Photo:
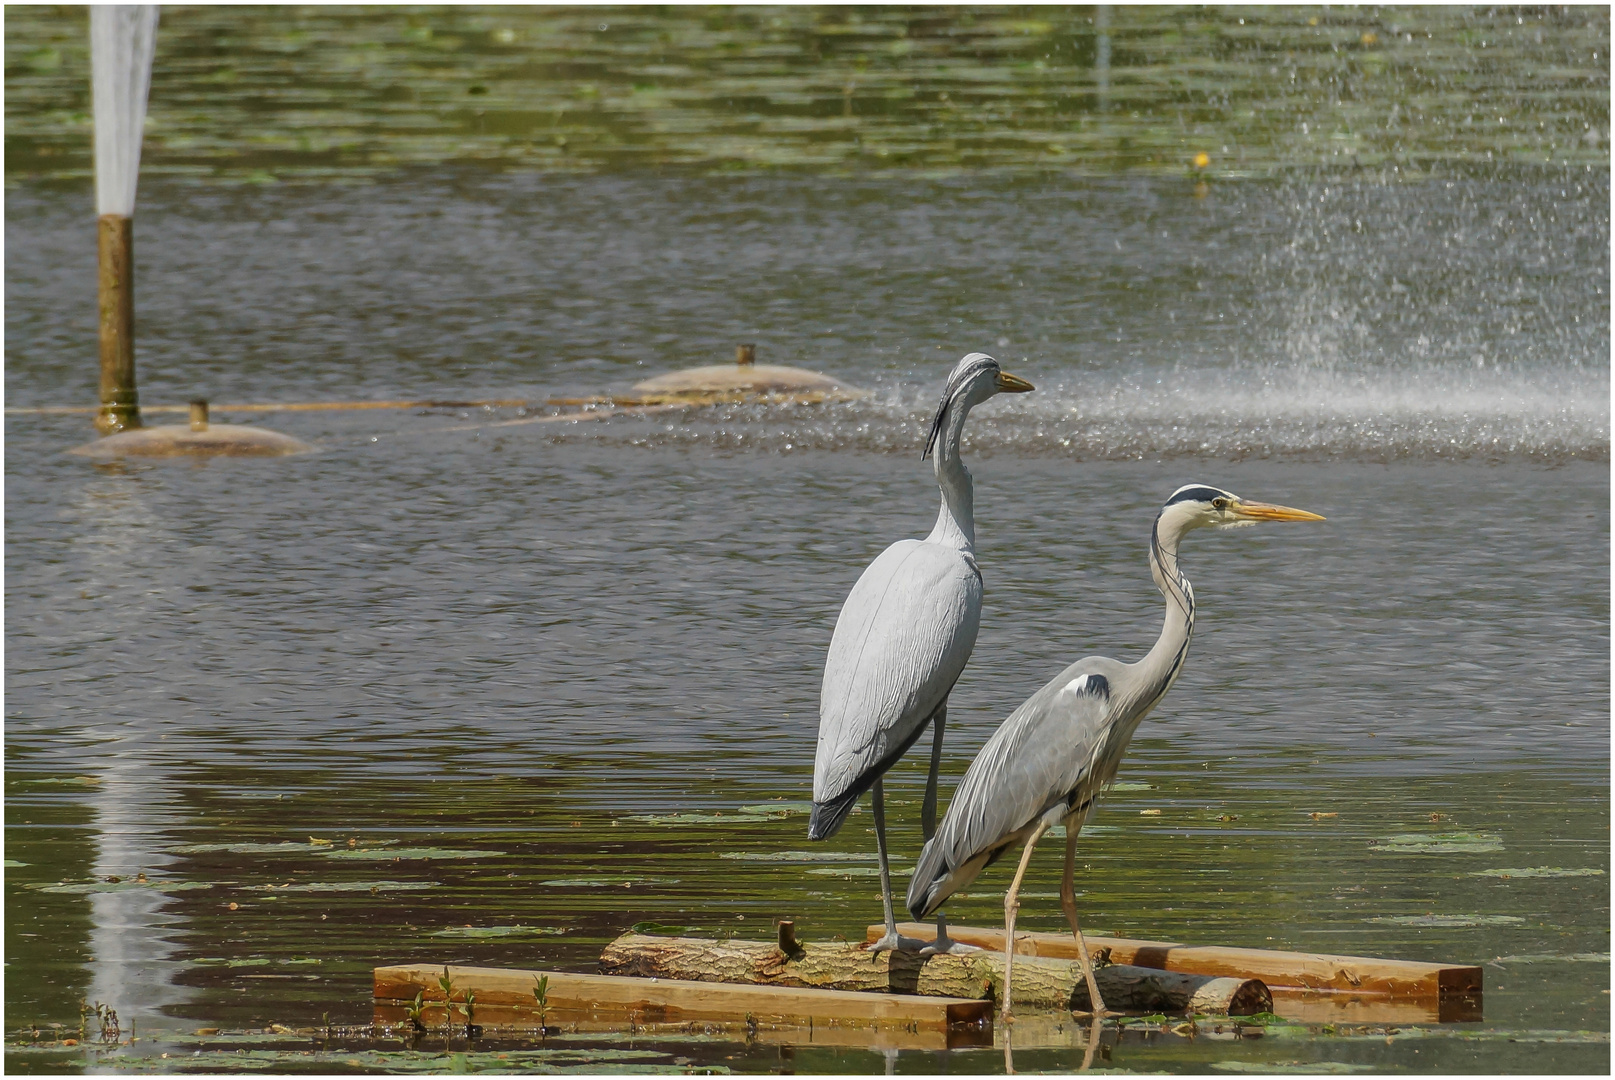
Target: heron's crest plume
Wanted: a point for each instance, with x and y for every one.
(964, 373)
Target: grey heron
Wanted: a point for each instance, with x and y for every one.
(903, 636)
(1060, 749)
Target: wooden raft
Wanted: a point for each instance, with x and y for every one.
(1305, 986)
(582, 1002)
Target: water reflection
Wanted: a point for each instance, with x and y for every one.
(135, 798)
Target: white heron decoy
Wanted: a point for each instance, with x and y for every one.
(1055, 755)
(901, 641)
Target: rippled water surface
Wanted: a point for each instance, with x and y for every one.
(500, 653)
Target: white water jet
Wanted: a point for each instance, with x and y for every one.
(123, 39)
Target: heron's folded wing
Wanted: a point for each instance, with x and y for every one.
(1036, 759)
(900, 643)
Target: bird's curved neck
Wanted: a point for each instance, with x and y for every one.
(1163, 662)
(956, 522)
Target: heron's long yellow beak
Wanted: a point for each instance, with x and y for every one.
(1259, 511)
(1013, 384)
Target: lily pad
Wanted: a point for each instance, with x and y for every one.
(13, 863)
(1131, 785)
(1058, 831)
(348, 886)
(1304, 1067)
(1448, 920)
(607, 881)
(695, 819)
(480, 932)
(1450, 843)
(800, 856)
(286, 847)
(1539, 871)
(858, 871)
(414, 853)
(780, 808)
(657, 928)
(85, 887)
(1556, 958)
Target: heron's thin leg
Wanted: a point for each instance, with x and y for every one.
(1094, 1031)
(928, 808)
(890, 941)
(1068, 902)
(1012, 904)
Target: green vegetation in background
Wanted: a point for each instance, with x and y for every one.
(261, 94)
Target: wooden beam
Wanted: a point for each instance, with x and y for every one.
(1040, 982)
(596, 1002)
(1450, 991)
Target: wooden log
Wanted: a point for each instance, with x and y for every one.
(596, 1002)
(1449, 992)
(1039, 982)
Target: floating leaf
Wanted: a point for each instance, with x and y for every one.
(1556, 958)
(857, 871)
(414, 853)
(287, 847)
(618, 880)
(1449, 920)
(799, 856)
(1451, 843)
(348, 886)
(1058, 831)
(657, 928)
(495, 931)
(82, 888)
(13, 863)
(1131, 785)
(695, 819)
(1304, 1067)
(780, 808)
(1539, 871)
(76, 781)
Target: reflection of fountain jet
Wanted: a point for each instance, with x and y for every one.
(131, 957)
(131, 966)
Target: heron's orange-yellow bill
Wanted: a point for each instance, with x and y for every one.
(1013, 384)
(1260, 511)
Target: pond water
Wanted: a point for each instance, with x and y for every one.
(526, 678)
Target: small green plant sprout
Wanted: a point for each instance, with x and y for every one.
(541, 998)
(470, 1007)
(447, 984)
(413, 1010)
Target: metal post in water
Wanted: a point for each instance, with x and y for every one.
(745, 355)
(120, 403)
(123, 39)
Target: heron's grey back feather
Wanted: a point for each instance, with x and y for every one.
(901, 641)
(1053, 755)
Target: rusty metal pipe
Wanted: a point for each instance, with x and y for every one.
(120, 404)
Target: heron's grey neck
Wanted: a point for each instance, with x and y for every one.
(1161, 665)
(956, 522)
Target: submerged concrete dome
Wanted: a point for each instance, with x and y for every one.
(196, 439)
(743, 380)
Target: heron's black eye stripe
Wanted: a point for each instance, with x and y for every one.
(1195, 494)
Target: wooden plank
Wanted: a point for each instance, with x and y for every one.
(1286, 974)
(626, 1003)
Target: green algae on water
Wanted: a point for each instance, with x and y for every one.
(1447, 843)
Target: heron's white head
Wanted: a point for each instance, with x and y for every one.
(1197, 506)
(974, 379)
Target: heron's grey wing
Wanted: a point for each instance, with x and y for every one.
(1041, 758)
(902, 639)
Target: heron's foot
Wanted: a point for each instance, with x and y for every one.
(946, 946)
(893, 941)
